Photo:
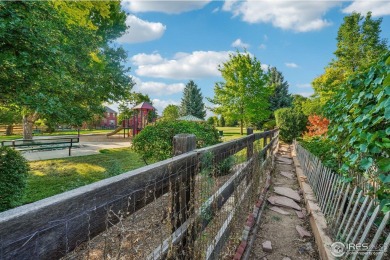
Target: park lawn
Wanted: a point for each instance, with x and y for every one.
(50, 177)
(58, 133)
(231, 133)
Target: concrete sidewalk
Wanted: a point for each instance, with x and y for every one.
(81, 149)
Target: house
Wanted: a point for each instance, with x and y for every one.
(110, 119)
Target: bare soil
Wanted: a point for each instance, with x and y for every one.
(280, 229)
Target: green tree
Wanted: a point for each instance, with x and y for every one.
(57, 56)
(358, 47)
(243, 96)
(280, 97)
(222, 121)
(170, 113)
(211, 120)
(9, 116)
(192, 101)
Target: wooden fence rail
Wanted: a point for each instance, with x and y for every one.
(53, 227)
(354, 218)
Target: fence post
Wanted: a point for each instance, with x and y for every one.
(183, 194)
(249, 149)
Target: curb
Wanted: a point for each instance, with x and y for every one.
(316, 217)
(252, 222)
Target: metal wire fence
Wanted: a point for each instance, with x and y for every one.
(353, 217)
(192, 206)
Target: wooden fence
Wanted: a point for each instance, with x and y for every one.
(354, 218)
(203, 208)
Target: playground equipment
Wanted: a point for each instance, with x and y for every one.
(137, 122)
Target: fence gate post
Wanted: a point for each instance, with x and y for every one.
(183, 194)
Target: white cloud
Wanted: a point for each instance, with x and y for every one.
(198, 64)
(299, 16)
(378, 7)
(262, 46)
(141, 31)
(143, 58)
(157, 88)
(265, 37)
(240, 44)
(305, 85)
(161, 104)
(291, 65)
(169, 7)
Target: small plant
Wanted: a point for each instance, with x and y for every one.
(224, 167)
(13, 174)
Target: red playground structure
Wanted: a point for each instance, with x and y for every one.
(139, 119)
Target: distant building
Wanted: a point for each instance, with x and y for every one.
(110, 119)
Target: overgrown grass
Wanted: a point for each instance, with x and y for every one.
(231, 133)
(51, 177)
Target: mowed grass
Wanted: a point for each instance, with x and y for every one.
(51, 177)
(231, 133)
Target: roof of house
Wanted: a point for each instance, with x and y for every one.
(190, 118)
(144, 105)
(109, 110)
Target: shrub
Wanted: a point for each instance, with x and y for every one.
(13, 174)
(155, 142)
(318, 126)
(269, 125)
(291, 123)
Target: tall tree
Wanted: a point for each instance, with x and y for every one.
(170, 113)
(192, 101)
(56, 56)
(358, 47)
(243, 95)
(280, 97)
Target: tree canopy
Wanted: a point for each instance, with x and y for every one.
(358, 46)
(171, 112)
(243, 95)
(192, 101)
(57, 57)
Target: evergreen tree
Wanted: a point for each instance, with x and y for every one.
(280, 97)
(192, 101)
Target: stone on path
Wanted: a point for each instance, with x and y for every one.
(279, 210)
(283, 201)
(300, 214)
(286, 258)
(267, 247)
(283, 160)
(302, 232)
(288, 192)
(287, 175)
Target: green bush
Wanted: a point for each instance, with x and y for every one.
(13, 174)
(155, 142)
(269, 125)
(322, 148)
(291, 123)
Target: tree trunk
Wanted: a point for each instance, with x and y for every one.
(10, 130)
(28, 122)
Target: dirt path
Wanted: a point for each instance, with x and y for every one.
(280, 229)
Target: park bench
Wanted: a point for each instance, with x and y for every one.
(42, 144)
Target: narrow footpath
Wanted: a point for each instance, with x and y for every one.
(284, 232)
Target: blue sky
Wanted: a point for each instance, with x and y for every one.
(172, 42)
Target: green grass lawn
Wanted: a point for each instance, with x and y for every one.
(51, 177)
(230, 133)
(70, 132)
